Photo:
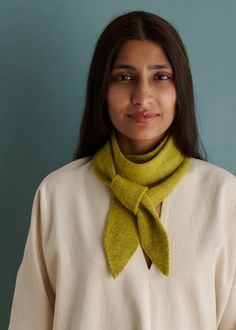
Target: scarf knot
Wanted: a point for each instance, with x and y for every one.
(123, 189)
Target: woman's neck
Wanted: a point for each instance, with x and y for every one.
(137, 147)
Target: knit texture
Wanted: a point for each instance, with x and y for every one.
(139, 184)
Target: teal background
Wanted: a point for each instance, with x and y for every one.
(45, 51)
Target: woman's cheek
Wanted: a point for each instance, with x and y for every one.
(168, 97)
(117, 98)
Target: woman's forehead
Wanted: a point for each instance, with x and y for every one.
(141, 52)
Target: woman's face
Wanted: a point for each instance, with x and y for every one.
(142, 96)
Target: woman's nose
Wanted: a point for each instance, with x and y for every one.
(142, 94)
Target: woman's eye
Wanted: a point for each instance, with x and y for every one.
(124, 77)
(161, 77)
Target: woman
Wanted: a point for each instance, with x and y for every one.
(137, 232)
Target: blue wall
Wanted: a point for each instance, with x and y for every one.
(45, 50)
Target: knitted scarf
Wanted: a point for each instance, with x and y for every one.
(139, 184)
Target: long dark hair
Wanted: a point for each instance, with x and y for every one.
(96, 126)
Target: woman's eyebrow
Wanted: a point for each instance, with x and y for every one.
(150, 67)
(159, 66)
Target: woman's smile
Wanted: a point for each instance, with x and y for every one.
(143, 116)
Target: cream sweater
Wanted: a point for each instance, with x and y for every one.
(63, 282)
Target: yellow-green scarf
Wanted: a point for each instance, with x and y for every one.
(139, 184)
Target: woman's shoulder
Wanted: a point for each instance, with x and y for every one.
(67, 175)
(205, 167)
(211, 175)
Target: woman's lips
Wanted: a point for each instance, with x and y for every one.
(143, 117)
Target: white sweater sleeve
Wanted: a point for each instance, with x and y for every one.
(228, 321)
(228, 267)
(33, 301)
